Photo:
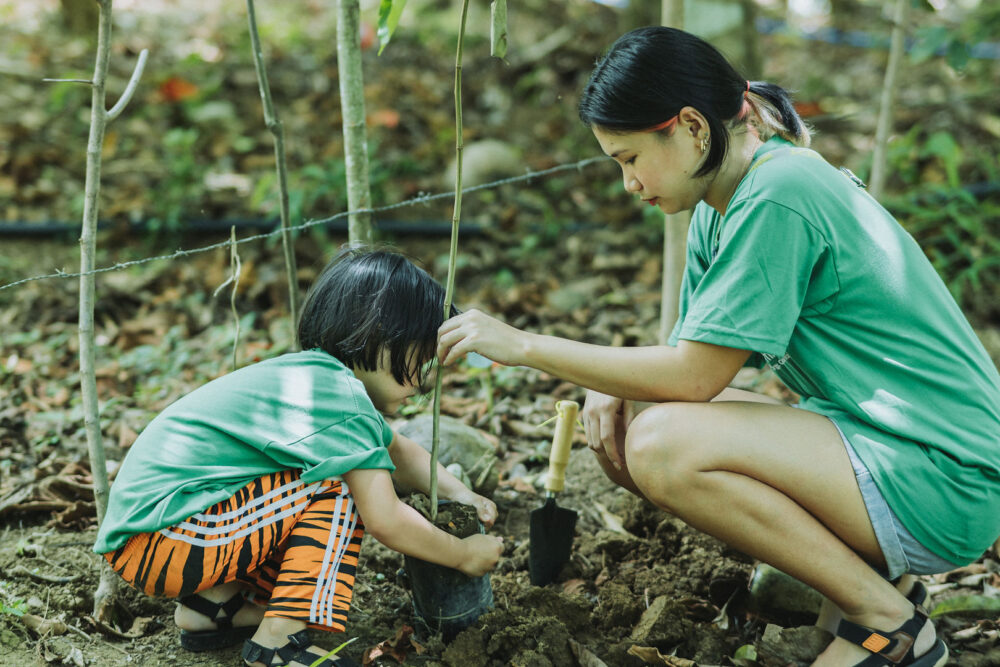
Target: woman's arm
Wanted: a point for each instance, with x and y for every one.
(691, 371)
(413, 470)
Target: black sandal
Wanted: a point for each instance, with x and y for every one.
(225, 634)
(896, 647)
(295, 649)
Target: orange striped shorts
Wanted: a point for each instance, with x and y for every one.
(294, 545)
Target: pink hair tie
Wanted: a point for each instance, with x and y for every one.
(662, 126)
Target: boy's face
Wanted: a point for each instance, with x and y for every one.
(386, 393)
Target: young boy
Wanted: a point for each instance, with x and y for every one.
(254, 486)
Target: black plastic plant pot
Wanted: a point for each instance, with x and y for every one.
(445, 600)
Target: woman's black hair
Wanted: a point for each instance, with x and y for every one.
(369, 300)
(649, 74)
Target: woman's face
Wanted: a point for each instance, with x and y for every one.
(656, 168)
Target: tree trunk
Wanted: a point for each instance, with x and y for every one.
(352, 105)
(753, 62)
(885, 113)
(675, 227)
(278, 132)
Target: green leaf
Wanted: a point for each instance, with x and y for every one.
(969, 606)
(389, 12)
(498, 28)
(928, 41)
(958, 54)
(321, 659)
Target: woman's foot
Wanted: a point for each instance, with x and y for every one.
(888, 620)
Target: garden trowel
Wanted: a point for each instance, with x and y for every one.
(551, 527)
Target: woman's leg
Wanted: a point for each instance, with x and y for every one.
(775, 482)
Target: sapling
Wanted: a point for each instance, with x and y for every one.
(99, 119)
(278, 132)
(452, 253)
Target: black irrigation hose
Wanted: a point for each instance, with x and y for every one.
(864, 40)
(426, 228)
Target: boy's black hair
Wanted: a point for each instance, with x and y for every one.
(649, 74)
(368, 300)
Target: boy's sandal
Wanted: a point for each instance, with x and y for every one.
(295, 650)
(225, 633)
(895, 647)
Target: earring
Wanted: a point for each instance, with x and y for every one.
(704, 143)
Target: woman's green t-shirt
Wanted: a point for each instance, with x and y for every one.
(301, 411)
(808, 270)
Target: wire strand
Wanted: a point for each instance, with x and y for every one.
(423, 199)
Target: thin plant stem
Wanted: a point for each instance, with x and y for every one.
(278, 132)
(452, 254)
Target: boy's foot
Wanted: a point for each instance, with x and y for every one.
(216, 617)
(297, 652)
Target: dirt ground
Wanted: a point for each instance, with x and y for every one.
(639, 582)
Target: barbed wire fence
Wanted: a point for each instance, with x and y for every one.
(415, 201)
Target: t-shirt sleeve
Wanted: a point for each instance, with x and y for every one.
(770, 265)
(696, 261)
(357, 442)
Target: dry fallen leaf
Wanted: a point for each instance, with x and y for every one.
(395, 648)
(650, 655)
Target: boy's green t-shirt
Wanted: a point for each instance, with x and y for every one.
(303, 410)
(810, 271)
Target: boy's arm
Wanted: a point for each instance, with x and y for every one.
(403, 529)
(413, 470)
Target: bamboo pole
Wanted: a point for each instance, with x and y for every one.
(452, 253)
(278, 132)
(99, 119)
(352, 106)
(675, 227)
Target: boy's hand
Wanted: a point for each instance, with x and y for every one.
(482, 554)
(486, 509)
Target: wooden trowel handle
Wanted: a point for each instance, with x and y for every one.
(561, 444)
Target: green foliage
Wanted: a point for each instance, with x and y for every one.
(956, 42)
(961, 237)
(184, 174)
(389, 12)
(14, 607)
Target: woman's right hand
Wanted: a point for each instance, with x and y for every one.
(475, 331)
(605, 420)
(482, 554)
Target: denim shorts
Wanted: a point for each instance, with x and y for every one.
(903, 554)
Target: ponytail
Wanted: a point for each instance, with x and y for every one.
(775, 114)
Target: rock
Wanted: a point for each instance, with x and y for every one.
(577, 294)
(459, 444)
(664, 624)
(485, 161)
(798, 647)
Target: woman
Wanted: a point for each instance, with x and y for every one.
(890, 464)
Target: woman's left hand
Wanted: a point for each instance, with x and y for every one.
(475, 331)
